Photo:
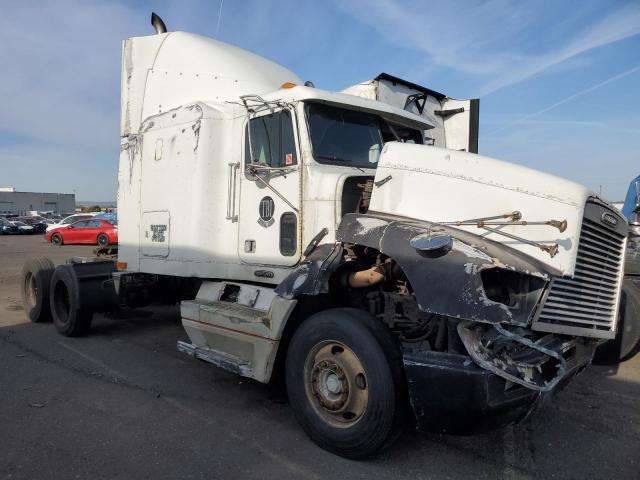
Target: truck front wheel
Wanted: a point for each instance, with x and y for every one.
(70, 320)
(345, 382)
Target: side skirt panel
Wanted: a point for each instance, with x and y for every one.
(236, 327)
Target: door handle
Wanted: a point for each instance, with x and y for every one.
(231, 191)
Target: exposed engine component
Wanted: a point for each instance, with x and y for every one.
(365, 198)
(384, 291)
(413, 327)
(356, 194)
(366, 278)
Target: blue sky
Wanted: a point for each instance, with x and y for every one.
(558, 80)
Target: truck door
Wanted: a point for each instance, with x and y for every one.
(460, 122)
(269, 210)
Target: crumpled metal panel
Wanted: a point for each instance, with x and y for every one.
(311, 277)
(448, 283)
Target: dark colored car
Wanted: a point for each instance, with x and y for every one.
(39, 226)
(92, 231)
(7, 228)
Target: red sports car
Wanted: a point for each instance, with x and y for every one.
(85, 231)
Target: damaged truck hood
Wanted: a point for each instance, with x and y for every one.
(439, 185)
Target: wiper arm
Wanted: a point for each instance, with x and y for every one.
(333, 159)
(339, 160)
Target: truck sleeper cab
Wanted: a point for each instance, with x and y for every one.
(360, 249)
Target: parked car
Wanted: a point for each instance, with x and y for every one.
(92, 231)
(7, 228)
(70, 219)
(23, 228)
(109, 217)
(38, 223)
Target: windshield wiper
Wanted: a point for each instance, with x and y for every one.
(333, 159)
(339, 160)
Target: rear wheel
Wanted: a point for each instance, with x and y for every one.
(56, 239)
(36, 277)
(103, 240)
(70, 320)
(345, 382)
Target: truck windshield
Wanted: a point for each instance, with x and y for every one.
(341, 136)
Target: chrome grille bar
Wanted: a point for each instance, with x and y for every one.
(587, 304)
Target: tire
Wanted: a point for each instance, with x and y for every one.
(345, 382)
(35, 281)
(70, 320)
(627, 341)
(56, 239)
(103, 240)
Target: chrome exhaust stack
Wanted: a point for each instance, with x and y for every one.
(158, 24)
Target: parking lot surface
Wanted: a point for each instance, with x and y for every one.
(122, 402)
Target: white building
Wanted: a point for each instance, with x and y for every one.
(12, 201)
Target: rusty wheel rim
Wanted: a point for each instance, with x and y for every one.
(336, 383)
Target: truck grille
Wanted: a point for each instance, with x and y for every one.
(587, 304)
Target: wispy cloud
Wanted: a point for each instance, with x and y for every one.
(490, 40)
(61, 68)
(566, 99)
(60, 90)
(60, 61)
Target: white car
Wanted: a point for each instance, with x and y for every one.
(70, 219)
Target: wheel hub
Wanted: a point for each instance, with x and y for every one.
(336, 383)
(329, 384)
(333, 383)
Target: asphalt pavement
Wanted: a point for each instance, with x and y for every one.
(122, 402)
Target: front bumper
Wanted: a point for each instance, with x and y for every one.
(449, 393)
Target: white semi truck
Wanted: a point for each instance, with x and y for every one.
(353, 243)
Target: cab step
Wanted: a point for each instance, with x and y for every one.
(223, 360)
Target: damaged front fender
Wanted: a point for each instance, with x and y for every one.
(475, 279)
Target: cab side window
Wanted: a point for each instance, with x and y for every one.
(272, 140)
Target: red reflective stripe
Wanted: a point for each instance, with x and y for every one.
(229, 329)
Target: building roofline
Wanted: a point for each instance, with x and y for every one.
(36, 193)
